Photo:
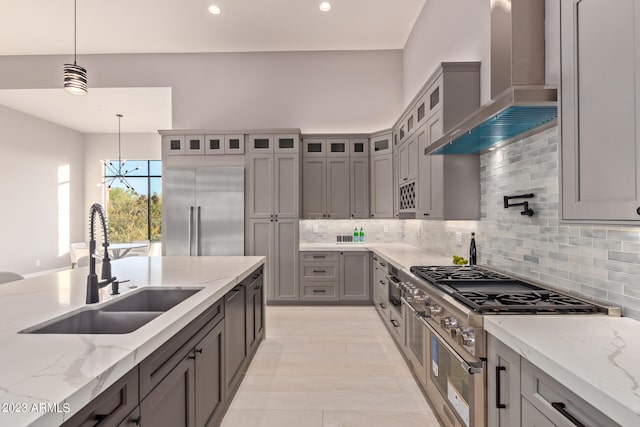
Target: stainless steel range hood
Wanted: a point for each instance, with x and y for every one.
(520, 102)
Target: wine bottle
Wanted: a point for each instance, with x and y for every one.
(473, 255)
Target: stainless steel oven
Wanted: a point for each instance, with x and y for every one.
(454, 384)
(395, 294)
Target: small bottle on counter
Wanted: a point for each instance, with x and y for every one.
(361, 235)
(473, 254)
(356, 235)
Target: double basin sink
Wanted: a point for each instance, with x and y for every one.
(122, 316)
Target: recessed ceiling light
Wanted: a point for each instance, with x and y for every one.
(325, 6)
(214, 9)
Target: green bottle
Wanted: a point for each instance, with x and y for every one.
(356, 236)
(361, 235)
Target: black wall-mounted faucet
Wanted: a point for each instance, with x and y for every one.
(526, 210)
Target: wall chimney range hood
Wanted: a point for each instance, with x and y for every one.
(521, 104)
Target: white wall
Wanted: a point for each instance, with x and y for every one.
(40, 204)
(104, 146)
(461, 31)
(315, 91)
(447, 31)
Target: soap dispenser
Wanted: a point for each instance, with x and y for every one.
(356, 235)
(361, 235)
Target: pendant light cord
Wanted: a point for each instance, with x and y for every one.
(75, 29)
(119, 156)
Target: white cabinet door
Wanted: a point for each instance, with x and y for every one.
(600, 92)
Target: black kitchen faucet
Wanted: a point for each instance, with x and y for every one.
(93, 285)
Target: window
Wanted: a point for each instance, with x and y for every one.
(134, 204)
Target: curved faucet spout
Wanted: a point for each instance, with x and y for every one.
(92, 280)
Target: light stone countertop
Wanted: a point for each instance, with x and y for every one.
(597, 357)
(73, 369)
(400, 255)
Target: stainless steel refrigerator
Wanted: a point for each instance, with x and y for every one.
(203, 211)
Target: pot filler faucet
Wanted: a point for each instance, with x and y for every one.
(92, 280)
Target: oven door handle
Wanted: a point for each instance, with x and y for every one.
(471, 368)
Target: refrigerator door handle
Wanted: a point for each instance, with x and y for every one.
(198, 231)
(190, 229)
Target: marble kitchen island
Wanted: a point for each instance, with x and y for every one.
(45, 379)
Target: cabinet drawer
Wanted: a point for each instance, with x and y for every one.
(319, 271)
(111, 406)
(158, 365)
(319, 292)
(555, 401)
(320, 256)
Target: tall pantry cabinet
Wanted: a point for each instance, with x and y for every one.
(273, 209)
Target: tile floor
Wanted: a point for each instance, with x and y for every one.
(328, 367)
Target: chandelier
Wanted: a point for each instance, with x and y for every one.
(117, 173)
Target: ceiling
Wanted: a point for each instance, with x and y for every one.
(33, 27)
(45, 27)
(143, 109)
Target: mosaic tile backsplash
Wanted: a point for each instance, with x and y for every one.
(594, 261)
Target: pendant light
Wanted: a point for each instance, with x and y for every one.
(75, 76)
(117, 174)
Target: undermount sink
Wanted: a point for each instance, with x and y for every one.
(151, 299)
(98, 322)
(125, 315)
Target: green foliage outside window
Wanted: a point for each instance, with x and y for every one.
(128, 215)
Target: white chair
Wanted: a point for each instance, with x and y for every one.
(155, 249)
(83, 261)
(77, 250)
(9, 276)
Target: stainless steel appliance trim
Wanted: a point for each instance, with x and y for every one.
(198, 224)
(190, 230)
(472, 368)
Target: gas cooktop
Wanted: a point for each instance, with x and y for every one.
(485, 291)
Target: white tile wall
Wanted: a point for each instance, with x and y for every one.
(594, 261)
(373, 229)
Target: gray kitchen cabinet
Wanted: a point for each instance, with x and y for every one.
(285, 271)
(260, 144)
(337, 195)
(172, 402)
(335, 276)
(381, 144)
(335, 178)
(354, 281)
(314, 182)
(408, 158)
(274, 185)
(520, 393)
(382, 191)
(359, 186)
(234, 144)
(600, 139)
(503, 384)
(131, 420)
(448, 185)
(319, 276)
(234, 336)
(194, 144)
(210, 377)
(261, 243)
(337, 147)
(314, 147)
(260, 194)
(173, 145)
(215, 144)
(277, 240)
(286, 202)
(111, 406)
(555, 402)
(533, 417)
(254, 311)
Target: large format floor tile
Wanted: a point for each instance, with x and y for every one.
(329, 367)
